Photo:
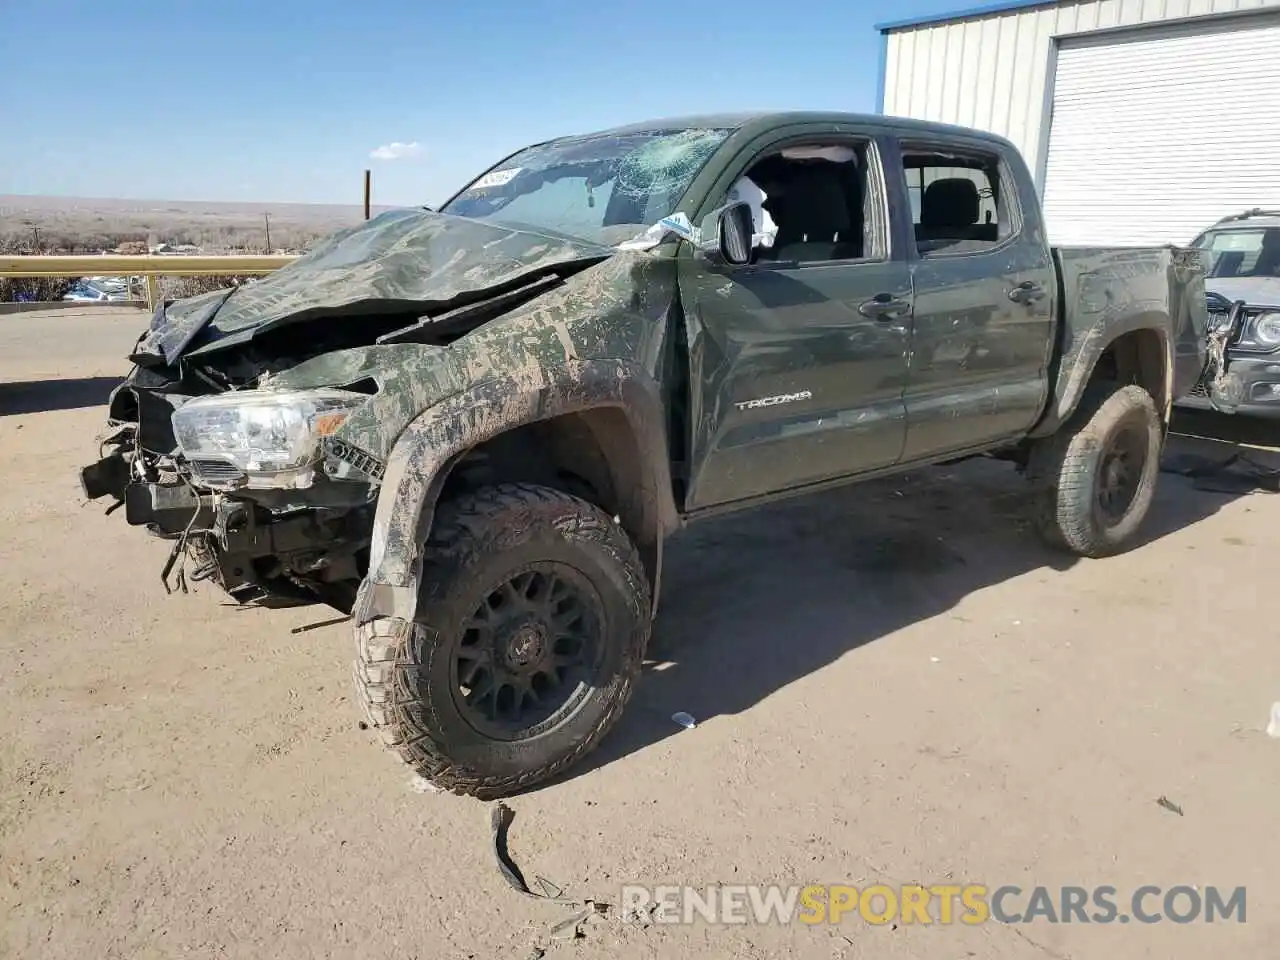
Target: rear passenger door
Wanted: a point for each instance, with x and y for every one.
(985, 290)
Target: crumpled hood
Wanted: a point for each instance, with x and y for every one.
(402, 260)
(1255, 291)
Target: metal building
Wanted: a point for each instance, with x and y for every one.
(1143, 120)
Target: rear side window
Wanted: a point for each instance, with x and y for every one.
(959, 200)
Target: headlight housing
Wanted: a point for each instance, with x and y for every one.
(261, 439)
(1261, 331)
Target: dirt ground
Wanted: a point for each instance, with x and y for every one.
(894, 683)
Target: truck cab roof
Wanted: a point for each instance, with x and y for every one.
(761, 121)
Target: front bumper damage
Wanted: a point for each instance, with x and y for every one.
(271, 548)
(1249, 387)
(378, 309)
(1233, 382)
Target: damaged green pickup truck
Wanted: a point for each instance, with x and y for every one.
(473, 429)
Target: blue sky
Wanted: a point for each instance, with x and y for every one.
(284, 100)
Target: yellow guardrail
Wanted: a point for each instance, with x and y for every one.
(150, 266)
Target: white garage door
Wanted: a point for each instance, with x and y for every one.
(1152, 139)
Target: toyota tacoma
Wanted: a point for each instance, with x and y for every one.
(473, 428)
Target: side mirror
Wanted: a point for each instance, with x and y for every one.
(727, 234)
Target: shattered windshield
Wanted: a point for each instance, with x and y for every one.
(603, 188)
(1243, 253)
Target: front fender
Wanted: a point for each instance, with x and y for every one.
(421, 458)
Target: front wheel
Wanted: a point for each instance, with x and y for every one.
(532, 622)
(1097, 474)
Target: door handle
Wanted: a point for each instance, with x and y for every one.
(883, 307)
(1028, 291)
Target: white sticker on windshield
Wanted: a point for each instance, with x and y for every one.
(496, 178)
(677, 223)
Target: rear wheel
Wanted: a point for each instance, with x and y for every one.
(1097, 474)
(532, 622)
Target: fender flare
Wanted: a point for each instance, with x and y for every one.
(437, 438)
(1082, 351)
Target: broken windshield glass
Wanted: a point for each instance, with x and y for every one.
(603, 188)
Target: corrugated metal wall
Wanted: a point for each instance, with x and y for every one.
(991, 72)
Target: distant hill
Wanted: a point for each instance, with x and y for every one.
(17, 204)
(90, 224)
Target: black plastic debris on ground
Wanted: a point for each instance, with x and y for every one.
(1170, 805)
(1236, 475)
(499, 822)
(541, 888)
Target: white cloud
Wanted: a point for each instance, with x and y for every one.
(396, 151)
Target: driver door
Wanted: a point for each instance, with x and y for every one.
(798, 361)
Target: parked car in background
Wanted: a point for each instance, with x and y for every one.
(1242, 282)
(98, 290)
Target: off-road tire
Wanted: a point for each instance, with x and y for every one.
(1066, 469)
(403, 678)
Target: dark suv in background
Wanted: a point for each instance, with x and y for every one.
(1242, 281)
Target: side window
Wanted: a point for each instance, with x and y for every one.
(810, 203)
(958, 201)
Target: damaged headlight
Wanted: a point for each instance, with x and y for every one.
(1261, 332)
(260, 438)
